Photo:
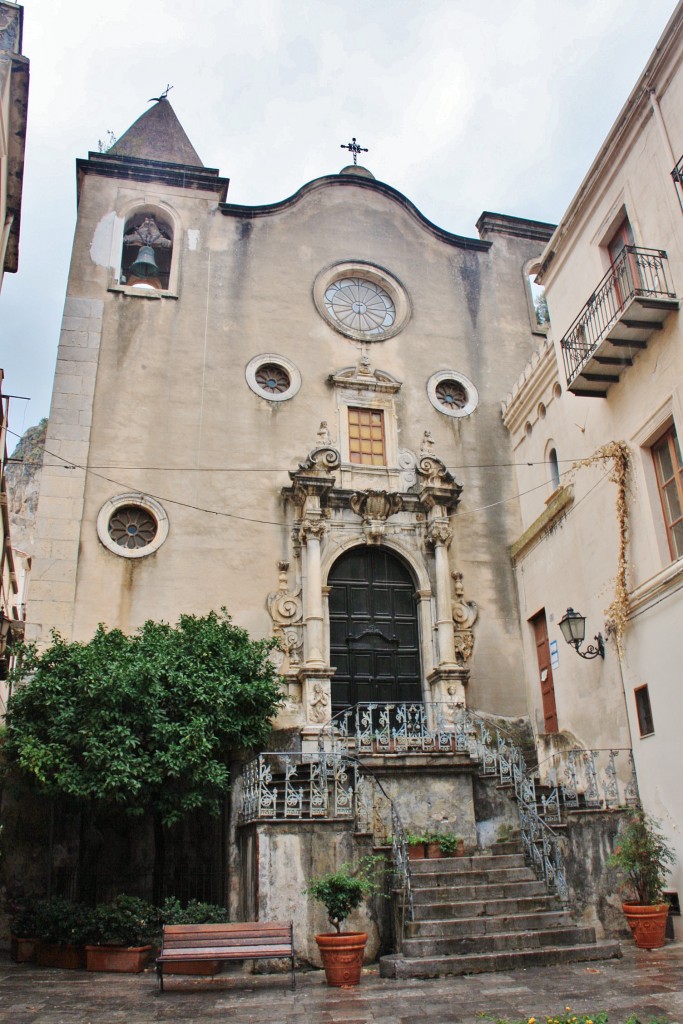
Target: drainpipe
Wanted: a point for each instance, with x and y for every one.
(657, 111)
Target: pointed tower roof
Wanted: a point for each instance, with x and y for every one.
(157, 135)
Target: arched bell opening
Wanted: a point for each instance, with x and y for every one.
(374, 629)
(147, 251)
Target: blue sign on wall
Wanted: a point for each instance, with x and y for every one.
(554, 654)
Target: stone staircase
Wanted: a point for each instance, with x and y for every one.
(487, 912)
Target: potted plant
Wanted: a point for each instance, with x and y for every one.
(63, 927)
(645, 858)
(121, 935)
(23, 931)
(445, 844)
(194, 912)
(417, 846)
(341, 892)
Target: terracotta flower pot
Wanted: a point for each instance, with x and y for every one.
(434, 851)
(342, 957)
(23, 951)
(123, 959)
(416, 851)
(648, 923)
(66, 957)
(460, 848)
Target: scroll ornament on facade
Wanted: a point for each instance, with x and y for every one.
(464, 616)
(286, 610)
(375, 507)
(437, 486)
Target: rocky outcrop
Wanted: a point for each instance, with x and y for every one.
(22, 474)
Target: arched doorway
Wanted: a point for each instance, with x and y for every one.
(374, 636)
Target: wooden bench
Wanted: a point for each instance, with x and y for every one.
(253, 940)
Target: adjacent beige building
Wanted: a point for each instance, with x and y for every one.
(611, 370)
(14, 76)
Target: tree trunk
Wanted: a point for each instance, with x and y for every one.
(89, 846)
(159, 869)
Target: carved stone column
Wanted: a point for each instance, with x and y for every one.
(311, 484)
(440, 535)
(439, 495)
(311, 532)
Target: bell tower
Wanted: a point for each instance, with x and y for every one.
(142, 209)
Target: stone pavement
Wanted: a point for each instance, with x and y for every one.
(647, 983)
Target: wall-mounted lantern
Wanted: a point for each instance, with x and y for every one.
(573, 626)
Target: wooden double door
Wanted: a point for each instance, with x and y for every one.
(374, 635)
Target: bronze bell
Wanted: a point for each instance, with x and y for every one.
(145, 265)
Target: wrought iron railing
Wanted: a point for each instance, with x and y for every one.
(677, 175)
(290, 785)
(287, 784)
(636, 272)
(572, 779)
(333, 783)
(602, 779)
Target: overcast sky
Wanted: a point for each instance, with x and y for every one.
(465, 105)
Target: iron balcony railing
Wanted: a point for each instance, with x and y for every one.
(677, 175)
(636, 273)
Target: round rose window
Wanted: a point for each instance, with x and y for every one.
(360, 305)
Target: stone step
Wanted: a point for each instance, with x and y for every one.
(439, 911)
(462, 927)
(507, 846)
(478, 891)
(448, 878)
(500, 942)
(397, 965)
(474, 862)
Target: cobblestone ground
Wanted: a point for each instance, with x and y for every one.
(649, 984)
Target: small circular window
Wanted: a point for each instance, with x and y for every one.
(273, 377)
(452, 393)
(132, 525)
(361, 301)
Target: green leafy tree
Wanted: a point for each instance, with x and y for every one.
(148, 722)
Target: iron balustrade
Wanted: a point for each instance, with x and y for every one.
(285, 784)
(323, 785)
(677, 175)
(598, 779)
(451, 728)
(333, 783)
(636, 273)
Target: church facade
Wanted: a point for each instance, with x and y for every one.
(291, 411)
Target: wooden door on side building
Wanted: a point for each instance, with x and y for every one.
(545, 671)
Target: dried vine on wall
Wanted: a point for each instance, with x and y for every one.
(619, 455)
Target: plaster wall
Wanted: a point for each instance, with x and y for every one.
(280, 861)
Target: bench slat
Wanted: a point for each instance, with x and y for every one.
(250, 940)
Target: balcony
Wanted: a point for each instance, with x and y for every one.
(633, 299)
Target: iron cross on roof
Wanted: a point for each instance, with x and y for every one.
(354, 148)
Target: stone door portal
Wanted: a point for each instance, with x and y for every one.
(374, 637)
